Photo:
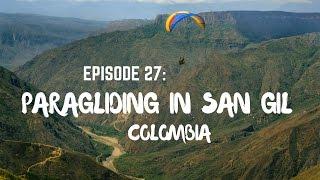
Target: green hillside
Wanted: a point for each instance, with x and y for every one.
(32, 146)
(146, 45)
(280, 151)
(36, 161)
(290, 64)
(34, 128)
(229, 56)
(258, 26)
(312, 173)
(126, 24)
(4, 174)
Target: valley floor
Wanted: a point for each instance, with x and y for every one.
(118, 150)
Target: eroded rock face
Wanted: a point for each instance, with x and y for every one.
(218, 17)
(161, 19)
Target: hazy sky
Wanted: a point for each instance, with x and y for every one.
(127, 9)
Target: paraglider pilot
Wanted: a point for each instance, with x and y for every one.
(182, 61)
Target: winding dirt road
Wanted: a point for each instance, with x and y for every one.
(55, 155)
(118, 150)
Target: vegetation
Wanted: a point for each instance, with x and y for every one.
(14, 125)
(35, 161)
(103, 151)
(23, 36)
(233, 54)
(101, 130)
(4, 174)
(24, 141)
(126, 24)
(279, 151)
(312, 173)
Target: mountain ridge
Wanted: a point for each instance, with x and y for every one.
(34, 128)
(218, 59)
(34, 160)
(33, 146)
(22, 36)
(259, 26)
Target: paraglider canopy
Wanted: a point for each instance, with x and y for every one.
(177, 17)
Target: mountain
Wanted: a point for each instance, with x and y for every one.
(311, 173)
(260, 26)
(279, 151)
(37, 161)
(39, 147)
(265, 152)
(253, 52)
(34, 127)
(151, 45)
(113, 10)
(310, 6)
(23, 36)
(126, 24)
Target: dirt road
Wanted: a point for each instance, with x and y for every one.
(118, 150)
(55, 155)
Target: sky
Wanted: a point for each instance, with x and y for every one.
(147, 9)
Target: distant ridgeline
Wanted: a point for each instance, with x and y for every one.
(23, 36)
(255, 52)
(259, 26)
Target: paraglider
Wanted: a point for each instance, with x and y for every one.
(182, 61)
(177, 17)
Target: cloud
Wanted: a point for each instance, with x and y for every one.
(292, 1)
(181, 1)
(219, 1)
(175, 1)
